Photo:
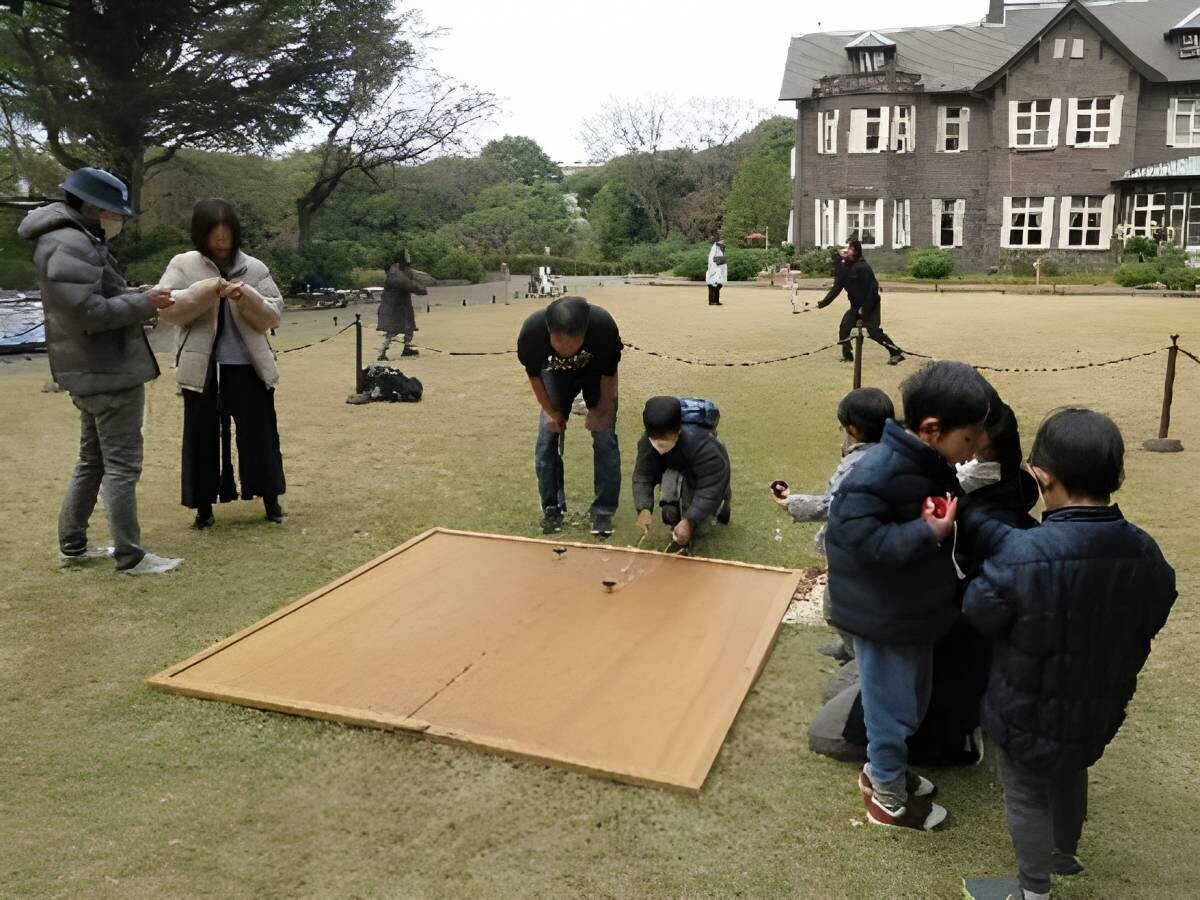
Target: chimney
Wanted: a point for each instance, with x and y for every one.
(995, 14)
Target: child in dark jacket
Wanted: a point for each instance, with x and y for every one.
(892, 576)
(1072, 606)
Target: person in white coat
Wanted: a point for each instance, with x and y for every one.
(225, 303)
(718, 272)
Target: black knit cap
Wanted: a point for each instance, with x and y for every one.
(662, 415)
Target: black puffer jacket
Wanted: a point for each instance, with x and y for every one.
(889, 580)
(861, 286)
(1072, 606)
(702, 459)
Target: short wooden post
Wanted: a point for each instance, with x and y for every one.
(1164, 444)
(358, 369)
(858, 350)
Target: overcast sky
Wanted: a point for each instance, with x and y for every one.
(553, 61)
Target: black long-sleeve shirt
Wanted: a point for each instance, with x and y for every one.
(859, 282)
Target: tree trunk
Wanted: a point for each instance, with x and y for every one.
(304, 215)
(130, 163)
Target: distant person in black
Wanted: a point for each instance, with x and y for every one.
(852, 273)
(569, 347)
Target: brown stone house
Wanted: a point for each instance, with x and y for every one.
(1051, 130)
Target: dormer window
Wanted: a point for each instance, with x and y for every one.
(871, 52)
(1187, 36)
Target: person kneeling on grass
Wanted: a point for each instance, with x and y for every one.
(1071, 606)
(861, 415)
(684, 455)
(892, 581)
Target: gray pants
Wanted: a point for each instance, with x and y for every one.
(1045, 813)
(676, 498)
(389, 336)
(110, 455)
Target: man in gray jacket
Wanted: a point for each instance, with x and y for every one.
(99, 353)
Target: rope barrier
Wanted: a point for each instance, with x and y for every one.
(321, 341)
(1192, 356)
(6, 337)
(730, 365)
(1039, 369)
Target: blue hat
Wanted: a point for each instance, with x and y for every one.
(99, 188)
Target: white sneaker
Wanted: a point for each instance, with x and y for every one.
(151, 564)
(91, 554)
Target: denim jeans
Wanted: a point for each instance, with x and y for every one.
(896, 681)
(562, 387)
(110, 456)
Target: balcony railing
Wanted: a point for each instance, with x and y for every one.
(889, 81)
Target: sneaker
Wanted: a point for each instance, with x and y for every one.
(203, 521)
(152, 564)
(552, 520)
(410, 351)
(1064, 863)
(275, 512)
(920, 813)
(602, 526)
(847, 359)
(916, 785)
(977, 744)
(724, 514)
(91, 554)
(896, 359)
(382, 357)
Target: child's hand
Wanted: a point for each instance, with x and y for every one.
(942, 527)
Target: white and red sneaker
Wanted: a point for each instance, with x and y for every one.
(920, 813)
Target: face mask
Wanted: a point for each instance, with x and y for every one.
(112, 226)
(664, 445)
(975, 474)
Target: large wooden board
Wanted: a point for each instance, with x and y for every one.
(504, 644)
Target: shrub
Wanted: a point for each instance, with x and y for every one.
(1140, 248)
(816, 262)
(651, 259)
(18, 274)
(457, 264)
(365, 278)
(1181, 279)
(930, 262)
(692, 264)
(1136, 274)
(744, 265)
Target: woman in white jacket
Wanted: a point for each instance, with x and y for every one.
(225, 303)
(718, 272)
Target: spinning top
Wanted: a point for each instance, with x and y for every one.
(609, 584)
(778, 487)
(940, 505)
(559, 551)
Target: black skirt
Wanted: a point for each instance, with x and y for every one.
(230, 393)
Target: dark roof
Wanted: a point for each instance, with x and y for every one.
(959, 57)
(1188, 167)
(870, 40)
(1189, 25)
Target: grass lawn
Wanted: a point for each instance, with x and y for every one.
(108, 789)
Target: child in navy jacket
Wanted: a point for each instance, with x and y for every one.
(1072, 606)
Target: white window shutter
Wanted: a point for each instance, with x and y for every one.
(858, 131)
(792, 163)
(791, 227)
(941, 131)
(840, 225)
(1060, 47)
(1006, 222)
(818, 231)
(907, 223)
(960, 212)
(964, 113)
(1114, 131)
(936, 207)
(1064, 223)
(1055, 119)
(1047, 223)
(912, 129)
(1012, 123)
(1072, 119)
(837, 115)
(879, 241)
(1077, 48)
(1106, 220)
(894, 143)
(884, 116)
(1172, 107)
(821, 132)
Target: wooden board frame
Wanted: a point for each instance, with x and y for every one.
(170, 680)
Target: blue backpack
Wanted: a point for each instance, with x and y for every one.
(698, 411)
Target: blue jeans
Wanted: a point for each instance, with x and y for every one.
(896, 681)
(563, 387)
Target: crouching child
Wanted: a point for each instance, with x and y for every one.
(1071, 606)
(681, 452)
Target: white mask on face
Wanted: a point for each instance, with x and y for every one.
(112, 226)
(664, 445)
(975, 474)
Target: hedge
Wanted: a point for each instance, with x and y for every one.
(930, 262)
(528, 263)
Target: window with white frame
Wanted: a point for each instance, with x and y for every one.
(1183, 122)
(1027, 221)
(1033, 124)
(1084, 228)
(902, 130)
(1193, 221)
(827, 128)
(862, 221)
(1149, 214)
(825, 223)
(869, 129)
(901, 223)
(871, 60)
(952, 129)
(947, 219)
(1094, 121)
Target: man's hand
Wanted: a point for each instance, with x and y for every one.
(644, 519)
(600, 417)
(161, 299)
(682, 535)
(822, 304)
(556, 423)
(944, 527)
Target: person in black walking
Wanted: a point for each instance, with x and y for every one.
(853, 274)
